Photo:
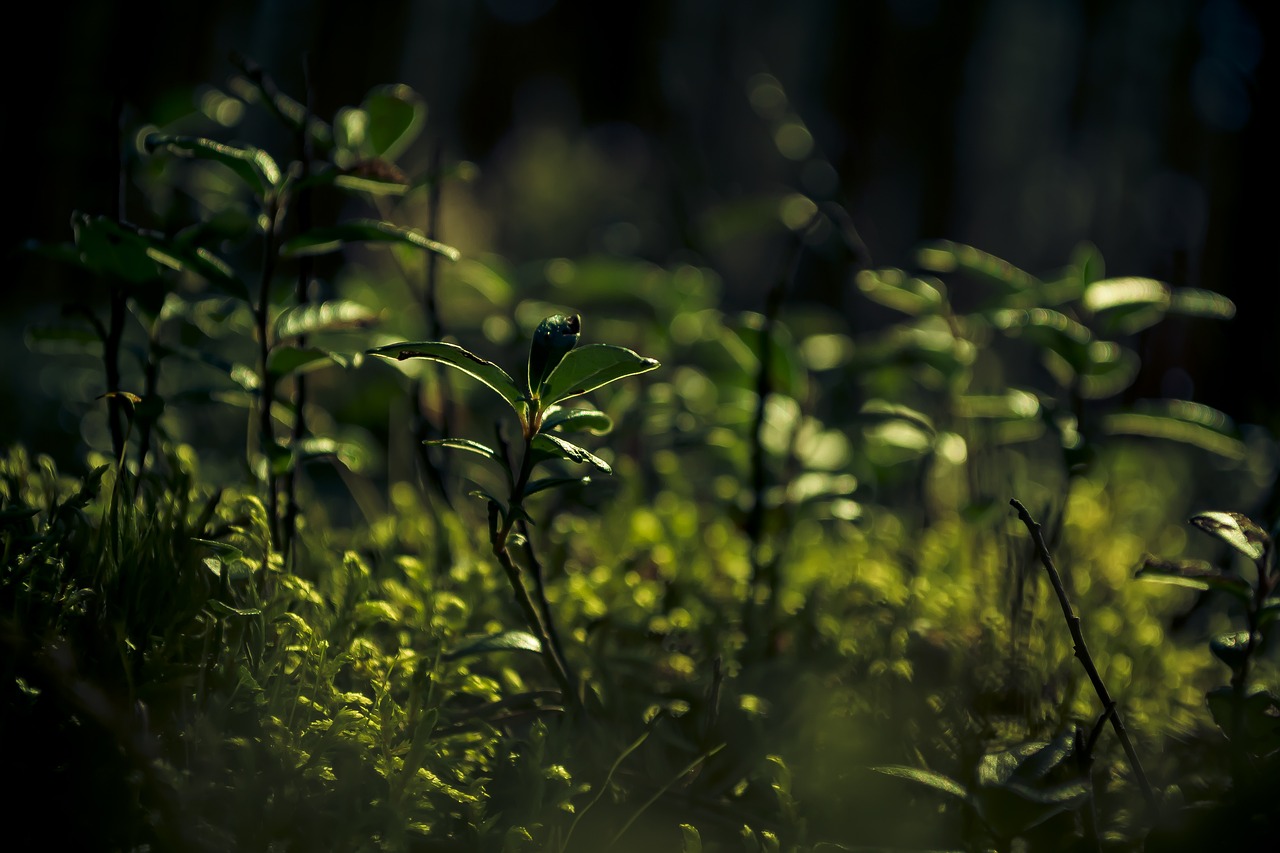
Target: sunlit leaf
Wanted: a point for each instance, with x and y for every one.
(544, 483)
(587, 368)
(507, 641)
(577, 420)
(1232, 648)
(893, 289)
(553, 446)
(1201, 303)
(252, 165)
(944, 256)
(1236, 529)
(328, 316)
(320, 241)
(928, 778)
(1127, 305)
(1194, 574)
(455, 356)
(469, 446)
(1179, 420)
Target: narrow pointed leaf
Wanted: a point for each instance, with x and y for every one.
(893, 289)
(455, 356)
(252, 165)
(1194, 574)
(1201, 303)
(928, 778)
(507, 641)
(286, 360)
(321, 241)
(1236, 529)
(329, 316)
(468, 445)
(541, 485)
(945, 256)
(590, 367)
(552, 341)
(556, 447)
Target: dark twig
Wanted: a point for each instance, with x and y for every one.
(1086, 660)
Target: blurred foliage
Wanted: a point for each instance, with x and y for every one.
(262, 616)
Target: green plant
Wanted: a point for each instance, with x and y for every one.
(557, 370)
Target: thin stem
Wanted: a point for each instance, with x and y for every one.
(1086, 660)
(433, 468)
(266, 388)
(301, 297)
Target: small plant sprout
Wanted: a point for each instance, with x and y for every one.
(558, 370)
(1248, 719)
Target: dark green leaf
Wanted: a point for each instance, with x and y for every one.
(553, 446)
(928, 778)
(470, 446)
(576, 420)
(320, 241)
(106, 249)
(1195, 574)
(1201, 303)
(1050, 329)
(945, 256)
(1179, 420)
(893, 289)
(455, 356)
(396, 115)
(253, 165)
(1237, 530)
(323, 317)
(545, 483)
(286, 360)
(507, 641)
(590, 367)
(1231, 648)
(552, 341)
(362, 177)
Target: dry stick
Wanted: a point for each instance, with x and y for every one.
(1086, 660)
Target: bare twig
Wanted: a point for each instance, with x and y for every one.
(1086, 660)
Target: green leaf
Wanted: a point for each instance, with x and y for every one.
(878, 411)
(328, 316)
(944, 256)
(553, 446)
(576, 420)
(930, 779)
(1261, 718)
(1127, 305)
(590, 367)
(372, 177)
(1232, 648)
(470, 446)
(893, 289)
(552, 341)
(455, 356)
(1194, 574)
(320, 241)
(107, 250)
(285, 360)
(507, 641)
(691, 837)
(1049, 329)
(1179, 420)
(252, 165)
(1237, 530)
(396, 115)
(544, 483)
(1193, 302)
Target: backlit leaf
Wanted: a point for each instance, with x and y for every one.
(321, 241)
(590, 367)
(252, 165)
(1236, 529)
(455, 356)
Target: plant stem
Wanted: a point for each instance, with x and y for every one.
(499, 535)
(302, 297)
(1086, 660)
(266, 387)
(433, 469)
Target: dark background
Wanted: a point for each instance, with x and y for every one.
(1020, 126)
